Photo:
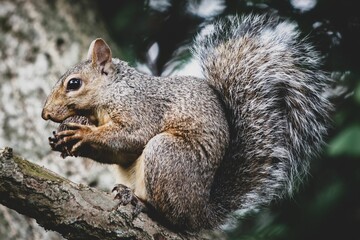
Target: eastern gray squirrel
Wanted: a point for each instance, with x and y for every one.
(195, 149)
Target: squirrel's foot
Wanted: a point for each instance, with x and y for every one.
(126, 196)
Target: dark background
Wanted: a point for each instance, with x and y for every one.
(328, 204)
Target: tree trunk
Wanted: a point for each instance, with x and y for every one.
(39, 40)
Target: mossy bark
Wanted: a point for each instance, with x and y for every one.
(74, 210)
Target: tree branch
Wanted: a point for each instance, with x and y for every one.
(75, 211)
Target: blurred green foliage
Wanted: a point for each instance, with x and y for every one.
(328, 204)
(347, 142)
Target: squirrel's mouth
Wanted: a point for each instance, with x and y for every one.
(95, 118)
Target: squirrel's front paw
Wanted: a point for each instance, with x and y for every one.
(56, 145)
(126, 196)
(67, 146)
(74, 138)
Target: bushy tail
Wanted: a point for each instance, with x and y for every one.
(273, 93)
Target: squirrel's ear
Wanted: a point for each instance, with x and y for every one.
(100, 54)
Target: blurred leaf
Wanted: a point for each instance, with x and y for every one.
(357, 93)
(327, 198)
(272, 231)
(124, 17)
(347, 142)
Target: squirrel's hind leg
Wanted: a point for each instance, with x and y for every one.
(178, 181)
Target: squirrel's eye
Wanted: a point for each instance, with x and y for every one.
(73, 84)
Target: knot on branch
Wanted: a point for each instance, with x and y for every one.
(6, 153)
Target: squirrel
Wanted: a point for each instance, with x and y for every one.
(199, 149)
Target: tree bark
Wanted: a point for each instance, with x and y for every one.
(75, 211)
(39, 41)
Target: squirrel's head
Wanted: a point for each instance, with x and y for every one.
(76, 91)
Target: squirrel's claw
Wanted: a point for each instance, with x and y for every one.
(57, 144)
(123, 193)
(53, 141)
(126, 196)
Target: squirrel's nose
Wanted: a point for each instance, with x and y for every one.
(52, 115)
(45, 115)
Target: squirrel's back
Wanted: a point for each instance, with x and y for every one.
(273, 92)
